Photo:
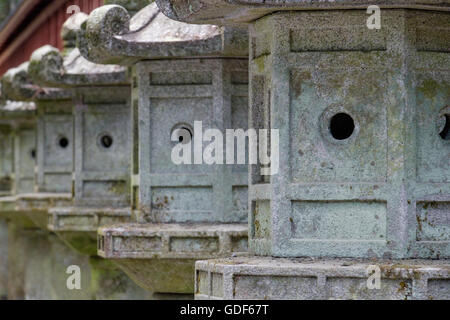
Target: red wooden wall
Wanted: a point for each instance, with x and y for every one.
(47, 33)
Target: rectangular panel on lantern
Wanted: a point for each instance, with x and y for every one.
(338, 220)
(168, 115)
(106, 138)
(338, 118)
(58, 135)
(182, 204)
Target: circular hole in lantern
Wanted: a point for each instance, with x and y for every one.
(63, 142)
(106, 141)
(342, 126)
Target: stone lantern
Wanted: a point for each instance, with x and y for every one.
(101, 139)
(182, 74)
(21, 157)
(101, 154)
(54, 138)
(16, 122)
(362, 110)
(18, 151)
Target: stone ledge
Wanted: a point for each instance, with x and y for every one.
(78, 219)
(251, 278)
(42, 201)
(168, 251)
(77, 226)
(165, 241)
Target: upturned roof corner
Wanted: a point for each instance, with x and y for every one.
(113, 36)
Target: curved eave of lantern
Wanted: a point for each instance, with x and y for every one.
(238, 12)
(112, 36)
(17, 86)
(48, 67)
(11, 110)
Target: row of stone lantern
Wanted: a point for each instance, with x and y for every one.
(84, 99)
(363, 119)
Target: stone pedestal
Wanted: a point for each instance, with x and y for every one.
(265, 278)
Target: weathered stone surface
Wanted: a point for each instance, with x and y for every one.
(171, 193)
(49, 67)
(112, 36)
(161, 257)
(16, 85)
(236, 12)
(259, 278)
(367, 194)
(172, 88)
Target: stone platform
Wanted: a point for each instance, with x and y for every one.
(77, 226)
(161, 257)
(265, 278)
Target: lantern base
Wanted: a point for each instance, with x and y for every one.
(161, 257)
(266, 278)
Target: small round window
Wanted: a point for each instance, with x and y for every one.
(63, 142)
(182, 134)
(106, 141)
(342, 126)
